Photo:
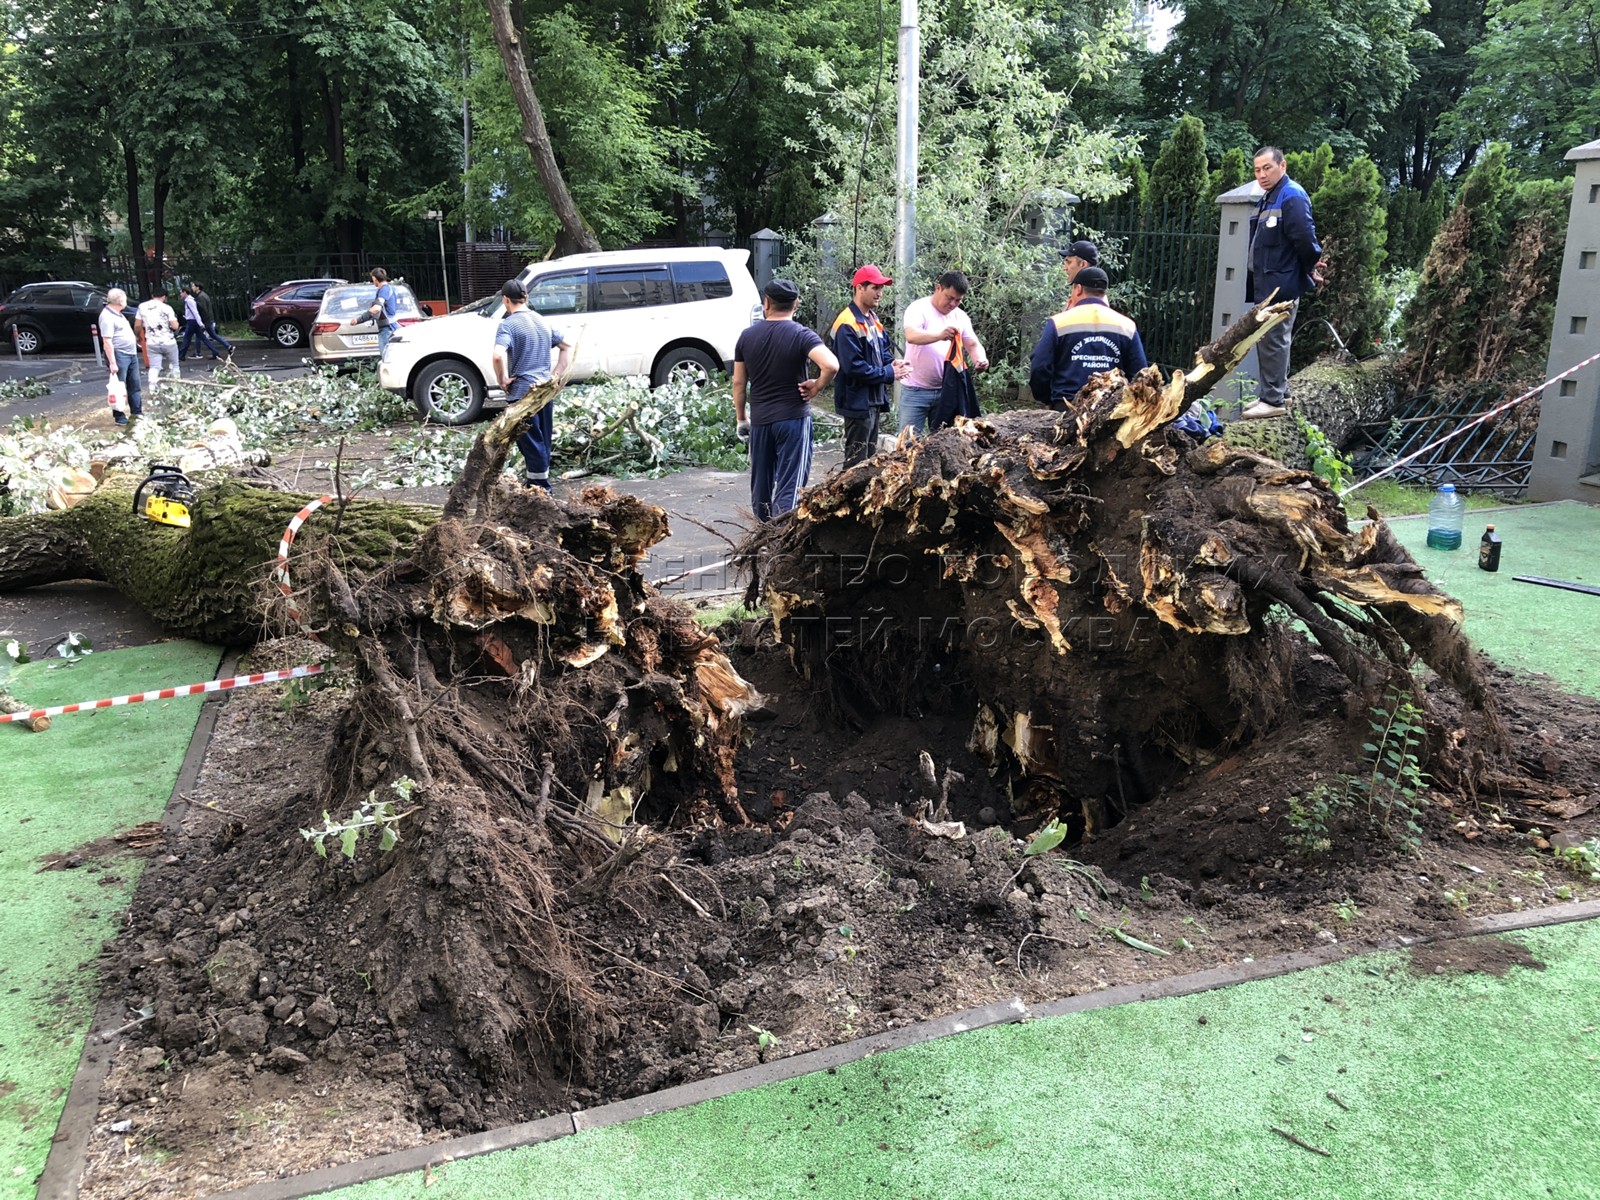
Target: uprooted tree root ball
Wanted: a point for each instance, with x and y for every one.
(1108, 592)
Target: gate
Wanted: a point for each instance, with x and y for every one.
(1163, 265)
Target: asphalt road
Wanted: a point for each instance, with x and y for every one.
(77, 379)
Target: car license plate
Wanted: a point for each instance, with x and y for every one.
(363, 339)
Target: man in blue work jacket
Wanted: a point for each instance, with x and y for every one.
(867, 365)
(1088, 337)
(1284, 255)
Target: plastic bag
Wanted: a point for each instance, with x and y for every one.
(117, 395)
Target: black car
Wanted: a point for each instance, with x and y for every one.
(40, 315)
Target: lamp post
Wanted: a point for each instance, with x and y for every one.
(434, 214)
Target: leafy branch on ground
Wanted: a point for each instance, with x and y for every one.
(22, 389)
(1386, 795)
(374, 814)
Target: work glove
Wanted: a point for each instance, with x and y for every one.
(742, 431)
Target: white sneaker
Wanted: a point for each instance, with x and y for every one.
(1261, 409)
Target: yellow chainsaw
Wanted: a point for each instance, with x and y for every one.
(165, 496)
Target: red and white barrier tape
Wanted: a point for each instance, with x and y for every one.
(282, 573)
(188, 689)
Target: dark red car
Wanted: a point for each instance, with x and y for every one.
(286, 313)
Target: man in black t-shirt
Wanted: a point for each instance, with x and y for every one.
(769, 361)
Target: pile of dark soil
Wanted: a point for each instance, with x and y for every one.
(831, 916)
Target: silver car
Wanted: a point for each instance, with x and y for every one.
(342, 331)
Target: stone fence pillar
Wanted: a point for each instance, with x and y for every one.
(1566, 453)
(1228, 303)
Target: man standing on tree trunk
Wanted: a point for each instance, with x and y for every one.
(770, 360)
(1284, 255)
(1086, 338)
(522, 348)
(867, 365)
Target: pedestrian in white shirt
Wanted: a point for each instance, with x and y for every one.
(930, 325)
(157, 324)
(121, 350)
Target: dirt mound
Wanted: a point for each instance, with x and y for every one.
(715, 947)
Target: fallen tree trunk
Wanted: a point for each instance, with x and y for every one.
(1336, 395)
(1106, 591)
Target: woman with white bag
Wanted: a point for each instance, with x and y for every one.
(122, 356)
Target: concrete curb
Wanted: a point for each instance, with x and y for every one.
(70, 1146)
(1007, 1012)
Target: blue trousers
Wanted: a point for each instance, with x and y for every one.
(211, 328)
(536, 437)
(916, 406)
(780, 465)
(128, 371)
(385, 332)
(192, 330)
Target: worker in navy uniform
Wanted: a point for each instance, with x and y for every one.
(1284, 258)
(867, 365)
(1084, 339)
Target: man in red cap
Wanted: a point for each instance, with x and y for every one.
(867, 365)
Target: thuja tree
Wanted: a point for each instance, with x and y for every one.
(1351, 225)
(1482, 311)
(1180, 179)
(1000, 151)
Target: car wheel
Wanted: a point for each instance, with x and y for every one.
(448, 392)
(288, 334)
(28, 339)
(685, 365)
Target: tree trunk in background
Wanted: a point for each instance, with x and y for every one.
(130, 164)
(575, 234)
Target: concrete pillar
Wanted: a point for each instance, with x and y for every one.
(1566, 454)
(764, 247)
(1228, 303)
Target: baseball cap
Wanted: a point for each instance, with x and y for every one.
(514, 290)
(869, 274)
(1088, 251)
(1092, 278)
(781, 291)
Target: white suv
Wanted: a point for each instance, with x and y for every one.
(666, 313)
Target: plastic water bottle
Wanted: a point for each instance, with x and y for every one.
(1445, 511)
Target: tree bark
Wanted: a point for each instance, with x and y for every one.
(130, 164)
(535, 136)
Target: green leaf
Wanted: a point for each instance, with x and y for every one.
(388, 840)
(347, 842)
(1130, 940)
(320, 848)
(1047, 839)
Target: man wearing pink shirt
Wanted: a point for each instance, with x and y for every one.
(931, 324)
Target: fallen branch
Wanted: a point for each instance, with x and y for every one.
(1304, 1145)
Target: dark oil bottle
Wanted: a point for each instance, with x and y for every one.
(1489, 550)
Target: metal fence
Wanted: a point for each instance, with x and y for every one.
(1163, 266)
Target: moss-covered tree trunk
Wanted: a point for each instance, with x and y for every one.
(209, 581)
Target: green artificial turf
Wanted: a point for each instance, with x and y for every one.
(1522, 625)
(1456, 1086)
(89, 776)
